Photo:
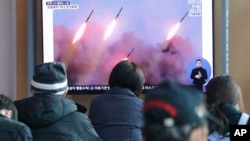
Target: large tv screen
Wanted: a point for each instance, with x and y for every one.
(164, 37)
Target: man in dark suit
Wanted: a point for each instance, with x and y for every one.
(199, 75)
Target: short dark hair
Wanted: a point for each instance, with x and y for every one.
(198, 60)
(127, 74)
(7, 103)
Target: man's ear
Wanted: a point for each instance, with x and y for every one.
(65, 93)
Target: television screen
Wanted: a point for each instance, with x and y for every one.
(164, 37)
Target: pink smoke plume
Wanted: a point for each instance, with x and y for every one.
(92, 59)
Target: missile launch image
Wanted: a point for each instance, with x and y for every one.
(130, 52)
(126, 58)
(81, 30)
(92, 37)
(173, 31)
(111, 26)
(78, 35)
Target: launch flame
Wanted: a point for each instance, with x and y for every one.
(79, 32)
(110, 29)
(126, 58)
(173, 31)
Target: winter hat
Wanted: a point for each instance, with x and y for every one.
(50, 78)
(174, 104)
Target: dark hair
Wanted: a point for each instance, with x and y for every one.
(7, 103)
(198, 60)
(221, 89)
(127, 74)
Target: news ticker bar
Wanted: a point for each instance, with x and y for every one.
(97, 89)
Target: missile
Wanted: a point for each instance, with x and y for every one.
(118, 13)
(184, 17)
(89, 16)
(130, 52)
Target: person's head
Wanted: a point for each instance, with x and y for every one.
(198, 63)
(223, 89)
(50, 78)
(127, 74)
(220, 90)
(7, 107)
(174, 112)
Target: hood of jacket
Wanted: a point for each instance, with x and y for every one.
(44, 109)
(230, 112)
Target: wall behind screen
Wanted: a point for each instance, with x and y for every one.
(8, 48)
(240, 46)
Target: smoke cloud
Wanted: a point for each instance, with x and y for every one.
(92, 58)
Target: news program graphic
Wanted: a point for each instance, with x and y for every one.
(60, 5)
(205, 65)
(91, 37)
(239, 132)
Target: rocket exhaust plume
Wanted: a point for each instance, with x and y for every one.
(77, 37)
(81, 30)
(111, 27)
(173, 31)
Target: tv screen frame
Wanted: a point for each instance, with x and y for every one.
(162, 37)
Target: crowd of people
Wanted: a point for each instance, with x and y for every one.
(170, 112)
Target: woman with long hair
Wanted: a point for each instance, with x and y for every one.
(223, 100)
